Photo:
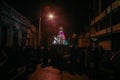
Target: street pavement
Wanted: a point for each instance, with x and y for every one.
(50, 73)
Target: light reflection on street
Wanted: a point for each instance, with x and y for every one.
(50, 73)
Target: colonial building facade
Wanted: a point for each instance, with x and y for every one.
(16, 29)
(105, 23)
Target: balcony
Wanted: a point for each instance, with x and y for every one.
(115, 5)
(115, 28)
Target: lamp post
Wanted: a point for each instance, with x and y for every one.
(50, 16)
(39, 34)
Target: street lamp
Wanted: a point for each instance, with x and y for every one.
(50, 16)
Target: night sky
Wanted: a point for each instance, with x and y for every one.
(71, 14)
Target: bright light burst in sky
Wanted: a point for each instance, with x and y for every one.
(51, 16)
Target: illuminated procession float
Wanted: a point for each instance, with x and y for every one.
(60, 39)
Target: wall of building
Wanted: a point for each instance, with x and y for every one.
(15, 29)
(105, 44)
(105, 24)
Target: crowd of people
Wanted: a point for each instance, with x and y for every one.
(66, 58)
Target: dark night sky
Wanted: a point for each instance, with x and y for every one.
(71, 13)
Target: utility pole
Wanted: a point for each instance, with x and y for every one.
(111, 26)
(99, 6)
(40, 36)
